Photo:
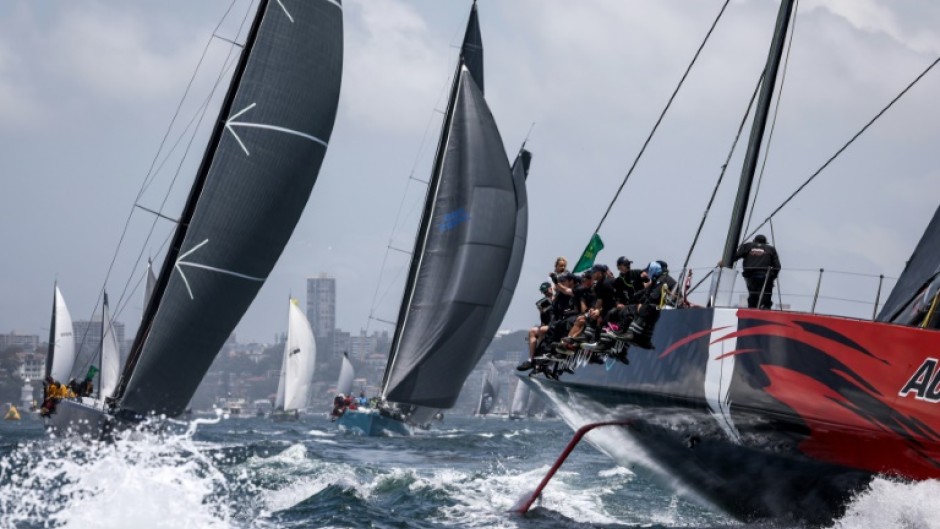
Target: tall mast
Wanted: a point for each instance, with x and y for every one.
(172, 255)
(104, 314)
(50, 354)
(757, 132)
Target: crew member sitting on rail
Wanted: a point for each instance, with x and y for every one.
(640, 318)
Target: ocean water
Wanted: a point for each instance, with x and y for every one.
(254, 473)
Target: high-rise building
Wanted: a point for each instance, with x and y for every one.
(28, 342)
(321, 311)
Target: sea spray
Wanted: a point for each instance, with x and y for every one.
(142, 479)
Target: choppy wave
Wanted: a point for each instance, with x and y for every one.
(253, 474)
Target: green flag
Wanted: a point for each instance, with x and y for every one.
(590, 253)
(92, 371)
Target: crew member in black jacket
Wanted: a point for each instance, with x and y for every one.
(761, 265)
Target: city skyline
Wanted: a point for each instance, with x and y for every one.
(86, 94)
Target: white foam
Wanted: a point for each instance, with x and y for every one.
(151, 481)
(892, 504)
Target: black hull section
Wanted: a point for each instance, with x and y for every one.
(762, 414)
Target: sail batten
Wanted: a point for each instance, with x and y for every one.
(250, 191)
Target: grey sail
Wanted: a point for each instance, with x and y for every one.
(520, 170)
(914, 292)
(462, 253)
(489, 391)
(471, 51)
(254, 181)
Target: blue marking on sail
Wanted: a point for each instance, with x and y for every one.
(454, 219)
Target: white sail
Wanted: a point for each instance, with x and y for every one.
(151, 283)
(110, 354)
(346, 375)
(300, 356)
(520, 400)
(62, 346)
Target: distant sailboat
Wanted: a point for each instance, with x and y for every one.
(465, 262)
(249, 192)
(61, 353)
(300, 358)
(346, 375)
(109, 355)
(519, 409)
(489, 391)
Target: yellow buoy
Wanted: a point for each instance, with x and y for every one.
(12, 414)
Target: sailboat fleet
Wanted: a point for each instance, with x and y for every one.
(781, 413)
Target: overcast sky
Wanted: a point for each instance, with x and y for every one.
(87, 90)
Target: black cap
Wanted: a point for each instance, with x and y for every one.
(622, 260)
(599, 268)
(760, 239)
(543, 288)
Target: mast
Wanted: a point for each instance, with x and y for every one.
(189, 209)
(104, 314)
(425, 226)
(50, 354)
(757, 132)
(471, 58)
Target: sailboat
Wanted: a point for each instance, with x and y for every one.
(60, 357)
(300, 358)
(254, 180)
(772, 414)
(519, 408)
(466, 258)
(489, 391)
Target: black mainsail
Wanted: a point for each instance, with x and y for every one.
(919, 282)
(463, 248)
(254, 181)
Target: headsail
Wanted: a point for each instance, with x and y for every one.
(151, 282)
(300, 356)
(346, 375)
(255, 179)
(520, 171)
(489, 391)
(61, 355)
(918, 284)
(110, 354)
(520, 400)
(471, 51)
(461, 256)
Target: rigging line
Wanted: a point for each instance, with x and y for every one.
(773, 237)
(846, 146)
(194, 120)
(178, 170)
(404, 197)
(724, 169)
(661, 116)
(773, 123)
(226, 66)
(166, 135)
(140, 277)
